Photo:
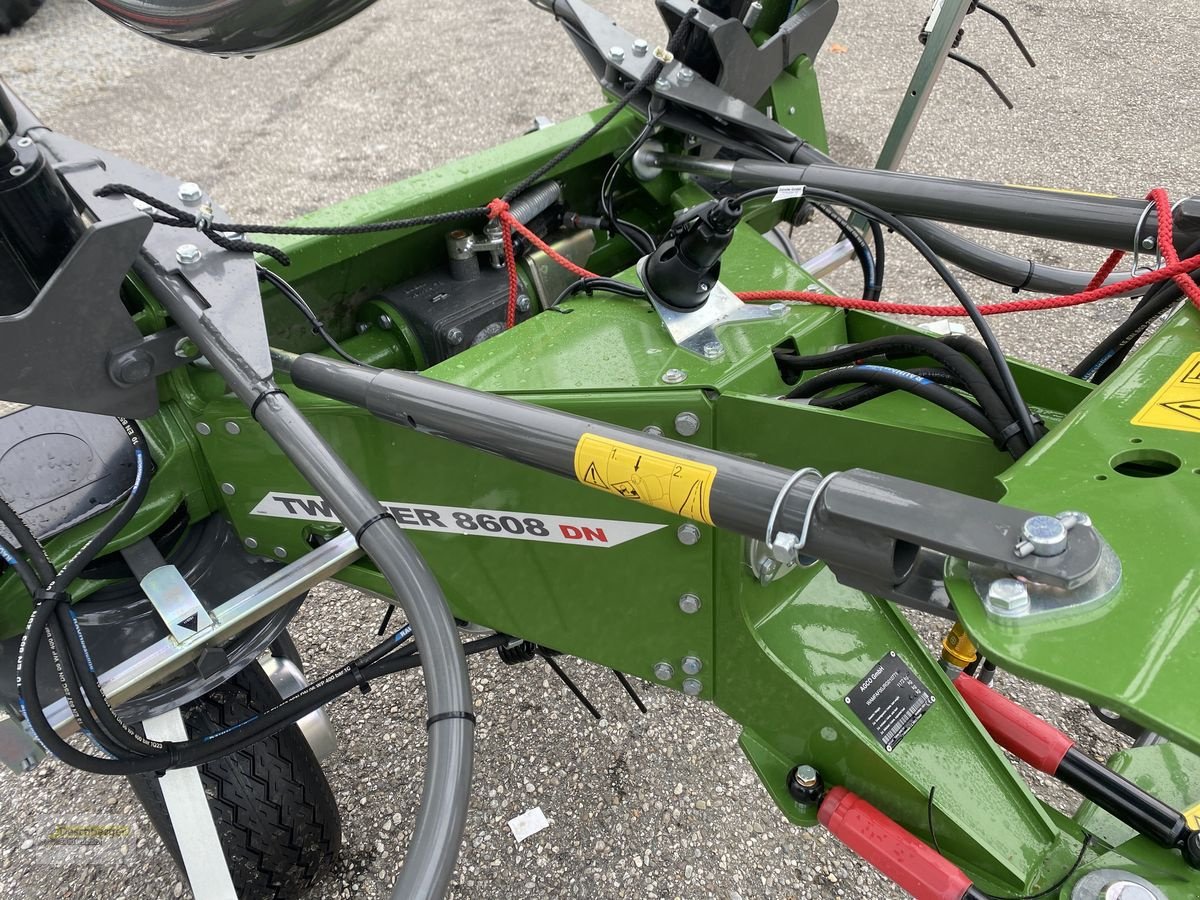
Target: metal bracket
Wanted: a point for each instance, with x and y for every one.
(177, 604)
(191, 817)
(695, 331)
(146, 359)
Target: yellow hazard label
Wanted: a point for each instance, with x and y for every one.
(665, 482)
(1192, 817)
(1177, 403)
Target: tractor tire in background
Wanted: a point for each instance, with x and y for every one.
(275, 813)
(15, 13)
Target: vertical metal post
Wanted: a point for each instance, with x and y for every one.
(191, 818)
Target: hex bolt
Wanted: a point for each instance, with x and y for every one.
(674, 376)
(16, 171)
(454, 336)
(653, 430)
(713, 350)
(250, 543)
(640, 47)
(779, 310)
(686, 75)
(664, 671)
(767, 570)
(233, 427)
(689, 603)
(227, 488)
(1008, 597)
(692, 686)
(687, 424)
(385, 322)
(805, 776)
(691, 665)
(188, 254)
(662, 84)
(280, 553)
(616, 54)
(688, 534)
(1042, 536)
(189, 192)
(523, 303)
(362, 328)
(202, 428)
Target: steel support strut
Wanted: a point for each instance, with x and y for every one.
(868, 527)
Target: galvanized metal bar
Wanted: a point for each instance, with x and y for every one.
(169, 655)
(191, 817)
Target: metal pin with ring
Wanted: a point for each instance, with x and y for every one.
(1137, 243)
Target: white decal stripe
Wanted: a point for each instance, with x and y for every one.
(495, 523)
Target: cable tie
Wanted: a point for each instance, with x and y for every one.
(457, 714)
(364, 684)
(1028, 278)
(367, 524)
(1010, 432)
(48, 595)
(260, 398)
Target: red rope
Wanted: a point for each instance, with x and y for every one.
(1175, 269)
(498, 209)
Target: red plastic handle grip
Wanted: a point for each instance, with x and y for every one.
(895, 852)
(1015, 728)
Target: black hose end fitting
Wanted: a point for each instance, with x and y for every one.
(684, 269)
(1191, 850)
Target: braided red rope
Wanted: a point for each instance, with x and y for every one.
(1175, 269)
(498, 209)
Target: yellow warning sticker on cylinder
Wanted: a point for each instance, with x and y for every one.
(1177, 403)
(1192, 817)
(676, 485)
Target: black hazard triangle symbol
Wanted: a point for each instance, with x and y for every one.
(591, 476)
(191, 623)
(1189, 408)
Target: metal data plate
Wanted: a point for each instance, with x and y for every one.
(696, 330)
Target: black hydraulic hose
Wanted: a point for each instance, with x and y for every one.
(900, 381)
(24, 570)
(861, 250)
(978, 354)
(880, 256)
(29, 544)
(858, 396)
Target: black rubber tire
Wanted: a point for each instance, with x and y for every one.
(275, 813)
(15, 13)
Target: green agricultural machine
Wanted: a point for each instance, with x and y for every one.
(575, 395)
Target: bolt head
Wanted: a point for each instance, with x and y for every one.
(1008, 597)
(25, 142)
(189, 192)
(362, 328)
(250, 543)
(523, 303)
(233, 428)
(1047, 535)
(454, 336)
(779, 310)
(767, 570)
(688, 534)
(640, 47)
(713, 350)
(228, 489)
(689, 603)
(653, 430)
(280, 553)
(687, 424)
(385, 322)
(664, 671)
(16, 171)
(674, 376)
(616, 54)
(686, 75)
(791, 110)
(202, 428)
(134, 367)
(662, 84)
(692, 686)
(691, 665)
(188, 254)
(806, 776)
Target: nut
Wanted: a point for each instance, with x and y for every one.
(1008, 597)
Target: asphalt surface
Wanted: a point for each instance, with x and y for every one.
(639, 806)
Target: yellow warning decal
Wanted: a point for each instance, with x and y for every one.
(1177, 403)
(1192, 817)
(677, 485)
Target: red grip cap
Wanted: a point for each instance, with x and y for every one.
(1015, 728)
(895, 852)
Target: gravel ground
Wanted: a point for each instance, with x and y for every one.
(640, 806)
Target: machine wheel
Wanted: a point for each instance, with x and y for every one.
(275, 813)
(15, 13)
